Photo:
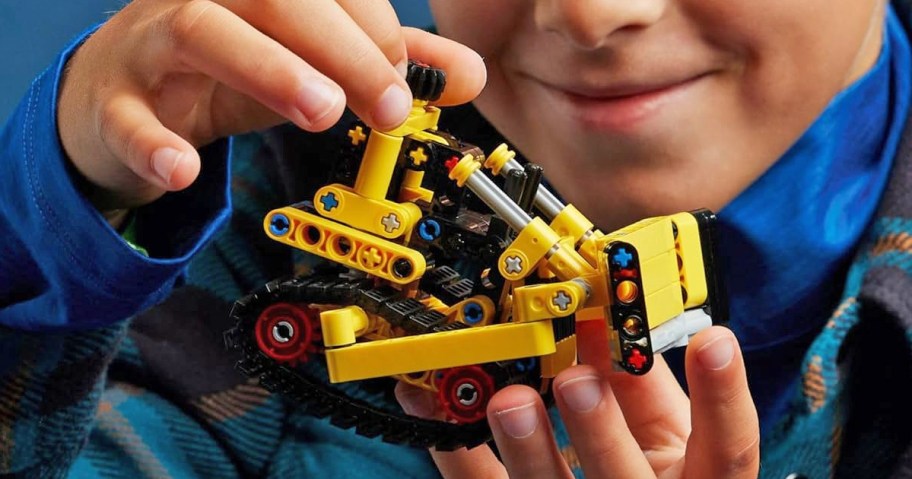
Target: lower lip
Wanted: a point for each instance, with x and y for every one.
(623, 114)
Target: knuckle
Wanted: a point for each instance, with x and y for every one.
(745, 461)
(373, 72)
(271, 64)
(603, 454)
(137, 157)
(262, 10)
(360, 57)
(488, 471)
(181, 23)
(126, 143)
(263, 65)
(391, 42)
(107, 121)
(733, 398)
(371, 81)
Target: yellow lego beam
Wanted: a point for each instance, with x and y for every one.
(344, 245)
(689, 250)
(446, 349)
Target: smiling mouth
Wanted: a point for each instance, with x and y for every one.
(621, 109)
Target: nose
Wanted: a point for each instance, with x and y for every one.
(589, 23)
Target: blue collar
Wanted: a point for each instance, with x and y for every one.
(787, 239)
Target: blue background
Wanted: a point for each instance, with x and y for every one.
(33, 31)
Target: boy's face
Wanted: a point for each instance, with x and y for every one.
(643, 107)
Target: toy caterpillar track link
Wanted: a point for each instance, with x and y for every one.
(453, 284)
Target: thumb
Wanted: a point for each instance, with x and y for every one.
(153, 159)
(475, 462)
(465, 69)
(417, 402)
(725, 440)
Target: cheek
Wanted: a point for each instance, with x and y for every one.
(496, 30)
(481, 25)
(503, 105)
(786, 54)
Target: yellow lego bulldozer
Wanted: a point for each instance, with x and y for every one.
(459, 283)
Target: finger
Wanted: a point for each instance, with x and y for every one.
(593, 343)
(465, 69)
(478, 462)
(523, 434)
(375, 90)
(654, 424)
(604, 444)
(231, 111)
(417, 402)
(381, 24)
(726, 433)
(239, 113)
(212, 40)
(133, 134)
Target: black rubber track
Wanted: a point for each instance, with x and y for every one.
(321, 399)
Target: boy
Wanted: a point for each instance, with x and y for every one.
(785, 121)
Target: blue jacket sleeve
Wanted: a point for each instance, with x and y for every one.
(61, 265)
(69, 282)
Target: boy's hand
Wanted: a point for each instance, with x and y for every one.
(162, 78)
(621, 425)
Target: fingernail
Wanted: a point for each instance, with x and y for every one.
(417, 403)
(393, 107)
(518, 422)
(402, 68)
(165, 161)
(717, 354)
(316, 100)
(582, 394)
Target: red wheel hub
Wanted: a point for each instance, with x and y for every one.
(464, 393)
(287, 332)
